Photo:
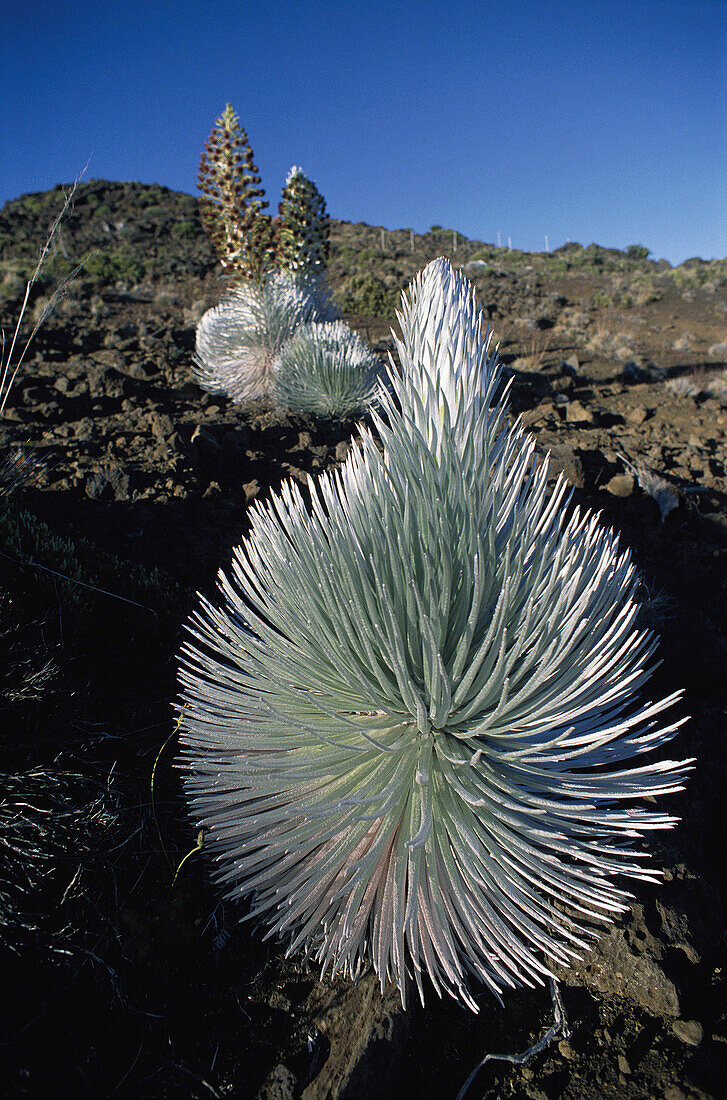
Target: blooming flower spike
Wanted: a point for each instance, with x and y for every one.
(415, 718)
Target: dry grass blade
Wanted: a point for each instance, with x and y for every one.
(19, 466)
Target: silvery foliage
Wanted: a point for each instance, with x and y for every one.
(238, 340)
(412, 719)
(17, 468)
(315, 285)
(327, 370)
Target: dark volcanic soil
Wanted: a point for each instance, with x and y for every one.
(122, 984)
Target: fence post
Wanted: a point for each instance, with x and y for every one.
(383, 240)
(509, 244)
(454, 239)
(547, 243)
(411, 239)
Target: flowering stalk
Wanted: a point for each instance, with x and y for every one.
(232, 202)
(304, 227)
(413, 717)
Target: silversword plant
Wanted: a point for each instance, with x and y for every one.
(238, 340)
(232, 202)
(303, 226)
(415, 722)
(303, 239)
(327, 370)
(278, 266)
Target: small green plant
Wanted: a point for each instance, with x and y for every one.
(36, 203)
(152, 196)
(637, 252)
(12, 283)
(367, 294)
(116, 263)
(183, 230)
(643, 289)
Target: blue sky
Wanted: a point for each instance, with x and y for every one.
(588, 120)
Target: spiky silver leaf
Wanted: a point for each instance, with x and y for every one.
(413, 720)
(315, 286)
(17, 468)
(238, 340)
(327, 370)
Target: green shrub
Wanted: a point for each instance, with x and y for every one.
(184, 229)
(116, 263)
(483, 255)
(34, 204)
(367, 294)
(151, 196)
(637, 252)
(56, 268)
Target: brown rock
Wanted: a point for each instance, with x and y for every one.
(566, 1050)
(689, 1031)
(620, 485)
(613, 968)
(365, 1031)
(279, 1085)
(564, 461)
(636, 415)
(575, 413)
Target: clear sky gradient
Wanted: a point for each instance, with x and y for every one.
(588, 120)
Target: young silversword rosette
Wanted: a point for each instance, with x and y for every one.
(238, 340)
(327, 370)
(413, 719)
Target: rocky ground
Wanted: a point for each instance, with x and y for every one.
(125, 984)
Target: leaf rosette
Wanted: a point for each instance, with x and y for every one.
(327, 370)
(238, 340)
(414, 714)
